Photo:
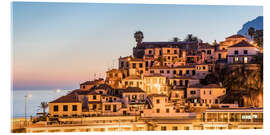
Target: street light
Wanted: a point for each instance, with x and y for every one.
(25, 99)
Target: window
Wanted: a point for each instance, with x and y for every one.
(174, 71)
(208, 51)
(94, 106)
(177, 110)
(94, 97)
(187, 72)
(181, 82)
(163, 128)
(122, 64)
(107, 107)
(134, 65)
(55, 108)
(236, 52)
(219, 56)
(161, 71)
(204, 92)
(74, 107)
(158, 110)
(158, 101)
(167, 110)
(174, 82)
(180, 72)
(236, 59)
(210, 92)
(146, 63)
(186, 128)
(203, 67)
(168, 71)
(140, 65)
(169, 57)
(193, 72)
(186, 83)
(175, 128)
(175, 51)
(65, 108)
(152, 71)
(193, 92)
(245, 60)
(168, 51)
(150, 52)
(245, 51)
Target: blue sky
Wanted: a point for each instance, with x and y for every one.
(59, 45)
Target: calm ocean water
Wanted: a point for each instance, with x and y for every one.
(33, 102)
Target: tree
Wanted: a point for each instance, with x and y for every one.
(191, 38)
(251, 32)
(44, 106)
(258, 37)
(176, 39)
(138, 35)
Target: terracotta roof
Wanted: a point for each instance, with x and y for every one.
(157, 95)
(236, 36)
(182, 77)
(92, 82)
(80, 92)
(166, 67)
(70, 98)
(205, 86)
(205, 46)
(133, 90)
(181, 45)
(154, 75)
(242, 44)
(132, 77)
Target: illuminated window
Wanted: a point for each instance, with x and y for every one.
(235, 59)
(245, 60)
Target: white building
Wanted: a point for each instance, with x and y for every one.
(242, 52)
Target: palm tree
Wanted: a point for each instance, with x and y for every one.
(44, 106)
(251, 32)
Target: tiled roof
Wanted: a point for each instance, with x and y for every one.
(157, 95)
(92, 82)
(154, 75)
(70, 98)
(236, 36)
(183, 77)
(132, 77)
(205, 86)
(133, 89)
(242, 44)
(206, 46)
(182, 45)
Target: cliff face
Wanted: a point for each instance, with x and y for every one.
(256, 23)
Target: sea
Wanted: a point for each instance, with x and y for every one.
(33, 100)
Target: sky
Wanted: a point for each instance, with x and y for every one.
(60, 45)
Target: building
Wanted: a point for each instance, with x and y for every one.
(242, 53)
